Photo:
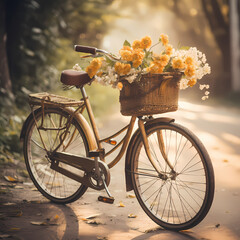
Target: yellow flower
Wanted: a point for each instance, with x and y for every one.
(137, 63)
(146, 42)
(122, 68)
(126, 68)
(99, 74)
(169, 49)
(136, 44)
(177, 63)
(138, 54)
(161, 60)
(91, 71)
(96, 62)
(188, 61)
(126, 48)
(93, 67)
(155, 68)
(192, 82)
(120, 86)
(189, 71)
(164, 39)
(126, 55)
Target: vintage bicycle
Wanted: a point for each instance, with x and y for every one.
(166, 165)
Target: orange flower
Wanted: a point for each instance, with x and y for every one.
(136, 44)
(189, 71)
(146, 42)
(155, 68)
(138, 54)
(126, 55)
(177, 63)
(169, 49)
(120, 86)
(192, 82)
(161, 60)
(122, 68)
(188, 61)
(93, 67)
(91, 71)
(164, 39)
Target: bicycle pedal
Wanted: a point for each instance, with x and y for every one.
(106, 199)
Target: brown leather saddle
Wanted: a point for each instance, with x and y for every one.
(75, 78)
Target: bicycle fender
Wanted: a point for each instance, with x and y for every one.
(26, 122)
(131, 144)
(78, 117)
(85, 127)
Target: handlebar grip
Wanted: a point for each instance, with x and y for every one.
(85, 49)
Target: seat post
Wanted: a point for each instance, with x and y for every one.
(91, 117)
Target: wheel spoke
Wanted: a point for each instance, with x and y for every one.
(52, 184)
(175, 198)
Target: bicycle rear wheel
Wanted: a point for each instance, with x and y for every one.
(53, 185)
(177, 198)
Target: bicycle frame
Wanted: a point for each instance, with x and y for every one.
(125, 139)
(99, 141)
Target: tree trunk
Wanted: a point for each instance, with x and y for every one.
(235, 46)
(5, 81)
(221, 32)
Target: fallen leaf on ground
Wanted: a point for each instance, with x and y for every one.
(39, 223)
(3, 236)
(94, 222)
(131, 196)
(10, 179)
(186, 231)
(18, 187)
(132, 215)
(121, 204)
(9, 204)
(56, 217)
(93, 216)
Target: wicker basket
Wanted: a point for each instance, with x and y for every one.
(152, 94)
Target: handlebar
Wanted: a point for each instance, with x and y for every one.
(93, 51)
(85, 49)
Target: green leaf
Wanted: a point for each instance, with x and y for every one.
(110, 62)
(126, 43)
(184, 48)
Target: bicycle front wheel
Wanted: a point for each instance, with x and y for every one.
(179, 193)
(38, 140)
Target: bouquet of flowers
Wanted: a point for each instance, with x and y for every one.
(138, 58)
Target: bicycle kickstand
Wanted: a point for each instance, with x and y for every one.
(110, 198)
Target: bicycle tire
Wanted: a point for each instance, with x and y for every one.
(53, 185)
(176, 201)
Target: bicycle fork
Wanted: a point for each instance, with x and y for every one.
(161, 147)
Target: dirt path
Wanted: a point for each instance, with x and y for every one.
(25, 214)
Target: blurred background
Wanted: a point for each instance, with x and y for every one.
(37, 38)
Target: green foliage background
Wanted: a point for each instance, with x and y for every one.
(41, 35)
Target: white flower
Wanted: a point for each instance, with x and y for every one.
(131, 78)
(204, 98)
(183, 83)
(77, 67)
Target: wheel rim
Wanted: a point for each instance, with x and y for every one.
(179, 196)
(47, 180)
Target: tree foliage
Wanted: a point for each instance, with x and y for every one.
(36, 43)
